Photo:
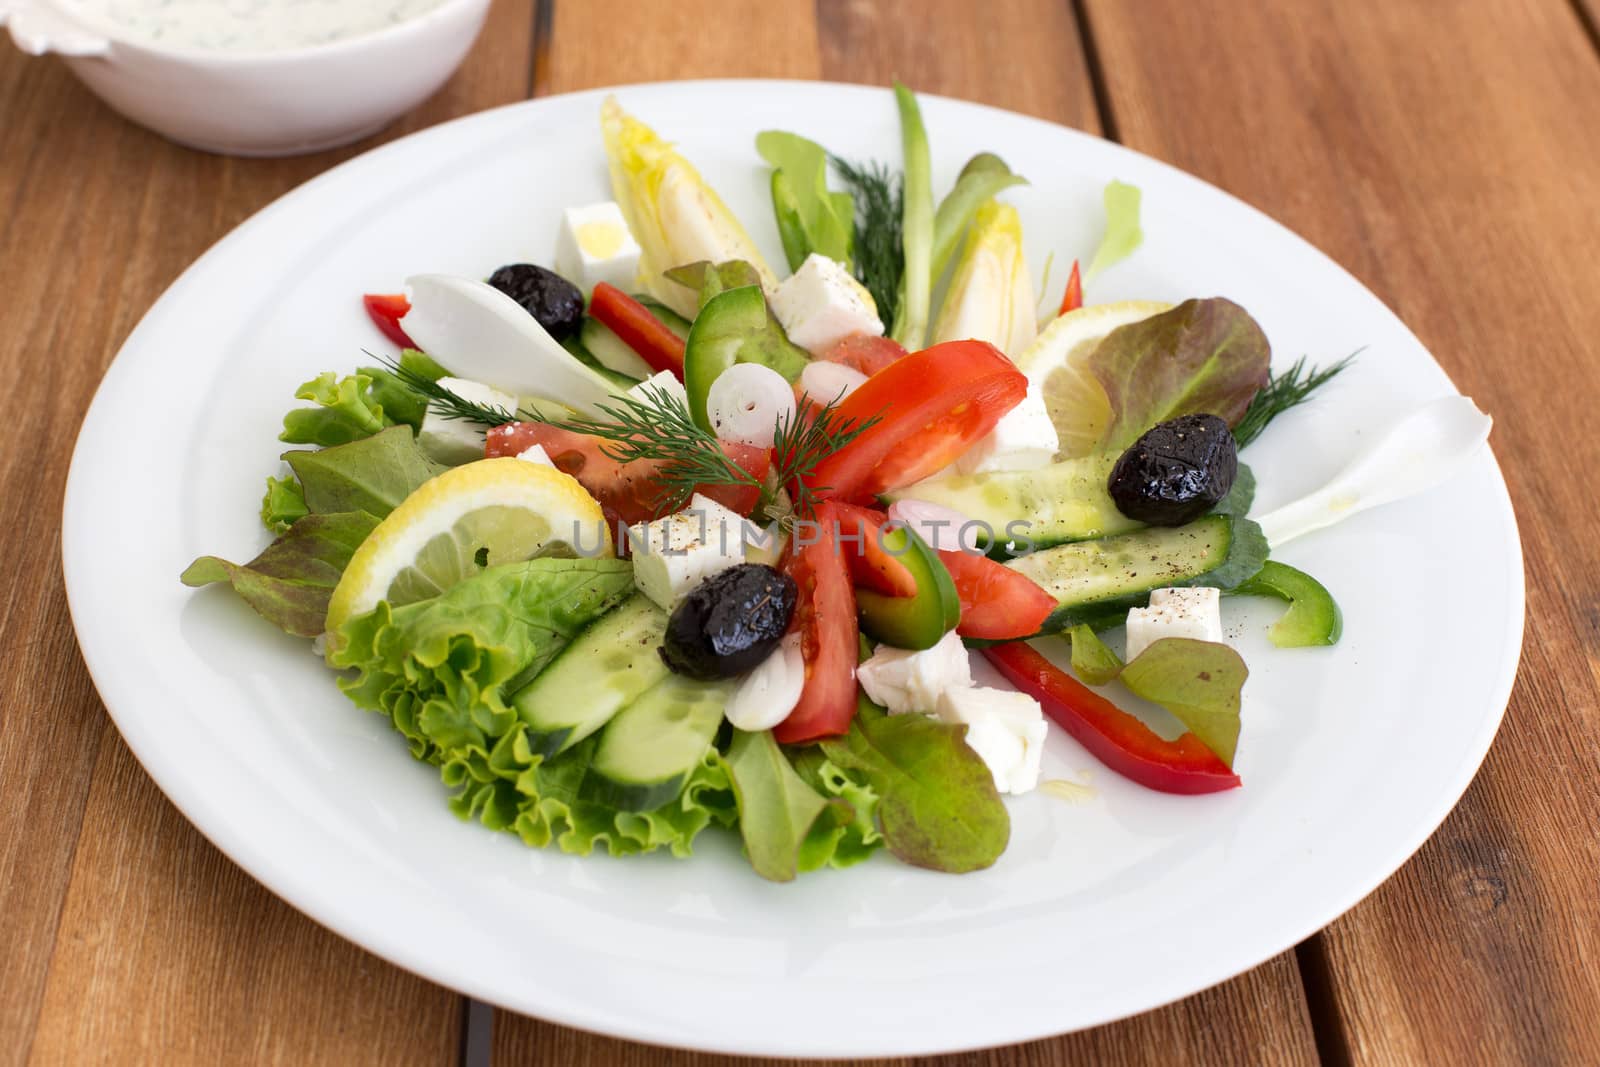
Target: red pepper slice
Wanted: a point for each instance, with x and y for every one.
(871, 566)
(1072, 299)
(1114, 737)
(641, 331)
(386, 310)
(997, 603)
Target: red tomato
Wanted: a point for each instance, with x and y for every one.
(825, 616)
(871, 566)
(864, 352)
(641, 331)
(933, 406)
(629, 492)
(387, 309)
(997, 603)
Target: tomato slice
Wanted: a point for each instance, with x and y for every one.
(629, 492)
(997, 603)
(871, 566)
(641, 331)
(825, 616)
(386, 311)
(933, 405)
(864, 352)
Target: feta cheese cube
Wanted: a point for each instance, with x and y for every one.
(905, 681)
(456, 441)
(1005, 728)
(1194, 612)
(672, 556)
(1023, 439)
(661, 381)
(821, 304)
(535, 454)
(595, 246)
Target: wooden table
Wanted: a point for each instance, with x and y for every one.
(1448, 154)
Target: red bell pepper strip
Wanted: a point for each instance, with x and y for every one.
(1072, 299)
(641, 331)
(1114, 737)
(872, 567)
(387, 309)
(997, 603)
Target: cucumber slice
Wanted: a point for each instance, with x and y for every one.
(914, 622)
(1095, 580)
(669, 318)
(610, 351)
(603, 670)
(647, 752)
(1033, 509)
(1313, 617)
(734, 327)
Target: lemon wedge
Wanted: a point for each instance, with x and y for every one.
(1056, 363)
(484, 513)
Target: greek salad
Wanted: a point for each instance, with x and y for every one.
(656, 536)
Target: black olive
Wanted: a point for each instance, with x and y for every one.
(544, 294)
(730, 622)
(1176, 472)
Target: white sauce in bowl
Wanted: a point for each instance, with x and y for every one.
(246, 25)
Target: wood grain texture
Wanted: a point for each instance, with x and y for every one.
(1024, 56)
(1451, 161)
(113, 213)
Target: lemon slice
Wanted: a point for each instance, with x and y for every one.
(1056, 363)
(483, 513)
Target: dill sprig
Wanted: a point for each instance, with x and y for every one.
(1284, 391)
(447, 404)
(880, 257)
(803, 441)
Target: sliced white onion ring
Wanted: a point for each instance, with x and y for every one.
(822, 382)
(767, 695)
(746, 403)
(945, 529)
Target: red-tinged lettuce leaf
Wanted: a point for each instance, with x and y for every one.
(373, 474)
(290, 582)
(1202, 356)
(937, 803)
(1198, 681)
(787, 826)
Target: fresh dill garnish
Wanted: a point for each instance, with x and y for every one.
(805, 440)
(1284, 391)
(447, 404)
(880, 257)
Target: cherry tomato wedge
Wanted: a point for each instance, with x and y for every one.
(825, 616)
(933, 405)
(1116, 738)
(864, 352)
(1072, 299)
(629, 492)
(386, 310)
(997, 603)
(641, 331)
(871, 566)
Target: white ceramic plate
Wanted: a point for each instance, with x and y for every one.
(1351, 756)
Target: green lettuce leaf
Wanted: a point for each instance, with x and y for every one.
(1240, 496)
(1092, 658)
(290, 582)
(860, 838)
(1201, 356)
(346, 411)
(1199, 682)
(810, 217)
(984, 177)
(1123, 234)
(708, 279)
(937, 805)
(443, 671)
(373, 474)
(283, 504)
(787, 826)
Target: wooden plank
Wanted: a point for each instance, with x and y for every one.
(1450, 159)
(1025, 56)
(97, 216)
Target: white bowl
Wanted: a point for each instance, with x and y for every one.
(263, 103)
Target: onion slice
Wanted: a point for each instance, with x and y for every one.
(945, 529)
(747, 402)
(767, 695)
(823, 383)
